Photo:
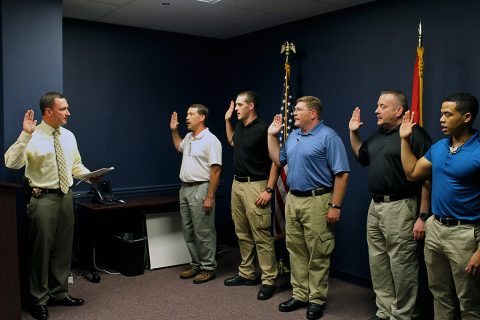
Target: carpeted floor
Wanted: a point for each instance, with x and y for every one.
(160, 294)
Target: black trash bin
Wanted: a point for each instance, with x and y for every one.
(129, 254)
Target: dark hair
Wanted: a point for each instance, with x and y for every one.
(48, 100)
(464, 103)
(250, 97)
(201, 109)
(400, 96)
(313, 103)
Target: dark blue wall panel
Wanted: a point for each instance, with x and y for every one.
(123, 84)
(31, 61)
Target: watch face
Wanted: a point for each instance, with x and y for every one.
(423, 216)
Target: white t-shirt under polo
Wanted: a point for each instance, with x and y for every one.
(199, 154)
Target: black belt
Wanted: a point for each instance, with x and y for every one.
(310, 193)
(454, 222)
(194, 183)
(377, 198)
(37, 192)
(248, 179)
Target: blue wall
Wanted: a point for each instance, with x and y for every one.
(31, 61)
(123, 83)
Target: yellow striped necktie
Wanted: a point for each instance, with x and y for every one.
(61, 163)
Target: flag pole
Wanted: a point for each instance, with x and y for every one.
(420, 34)
(417, 87)
(286, 49)
(420, 74)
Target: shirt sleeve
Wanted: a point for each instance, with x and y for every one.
(78, 169)
(337, 155)
(420, 142)
(428, 155)
(215, 153)
(16, 155)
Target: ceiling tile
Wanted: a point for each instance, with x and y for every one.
(115, 2)
(303, 9)
(343, 3)
(86, 10)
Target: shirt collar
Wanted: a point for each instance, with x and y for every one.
(47, 128)
(313, 131)
(469, 144)
(254, 121)
(386, 131)
(200, 135)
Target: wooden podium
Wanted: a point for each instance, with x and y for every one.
(10, 304)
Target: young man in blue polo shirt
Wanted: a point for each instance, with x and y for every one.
(317, 175)
(452, 242)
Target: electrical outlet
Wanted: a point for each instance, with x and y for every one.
(70, 280)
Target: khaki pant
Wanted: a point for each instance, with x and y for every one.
(392, 257)
(51, 223)
(198, 228)
(310, 242)
(447, 251)
(252, 226)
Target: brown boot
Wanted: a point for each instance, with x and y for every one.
(189, 273)
(204, 276)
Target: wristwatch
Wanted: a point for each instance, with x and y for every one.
(269, 190)
(424, 216)
(334, 206)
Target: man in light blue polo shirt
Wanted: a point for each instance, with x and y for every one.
(452, 241)
(317, 175)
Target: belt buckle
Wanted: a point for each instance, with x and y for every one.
(36, 192)
(386, 198)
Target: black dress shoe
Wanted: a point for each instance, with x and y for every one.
(40, 312)
(314, 311)
(266, 292)
(291, 305)
(69, 302)
(238, 280)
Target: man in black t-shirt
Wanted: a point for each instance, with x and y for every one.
(393, 223)
(254, 180)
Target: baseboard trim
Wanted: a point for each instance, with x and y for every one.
(352, 278)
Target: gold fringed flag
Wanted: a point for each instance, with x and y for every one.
(286, 110)
(417, 87)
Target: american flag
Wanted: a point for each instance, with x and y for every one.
(286, 109)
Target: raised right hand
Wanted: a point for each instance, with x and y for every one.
(355, 122)
(406, 129)
(174, 121)
(276, 125)
(228, 114)
(28, 122)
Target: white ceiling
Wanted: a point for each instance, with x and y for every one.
(221, 20)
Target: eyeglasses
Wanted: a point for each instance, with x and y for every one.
(301, 109)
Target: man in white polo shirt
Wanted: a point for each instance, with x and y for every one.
(200, 175)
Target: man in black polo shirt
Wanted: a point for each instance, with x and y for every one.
(252, 188)
(393, 224)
